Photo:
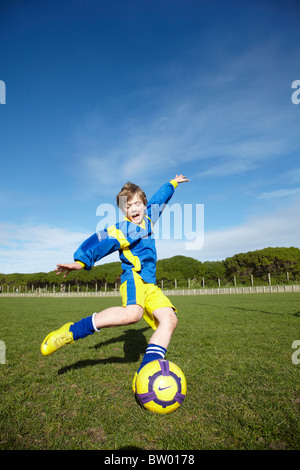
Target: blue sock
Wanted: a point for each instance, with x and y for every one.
(153, 352)
(83, 328)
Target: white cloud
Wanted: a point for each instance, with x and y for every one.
(278, 229)
(279, 193)
(148, 148)
(27, 249)
(228, 135)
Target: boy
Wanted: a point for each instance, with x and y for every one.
(133, 237)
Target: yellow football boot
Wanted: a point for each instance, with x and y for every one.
(56, 339)
(133, 385)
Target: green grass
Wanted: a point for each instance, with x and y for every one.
(235, 352)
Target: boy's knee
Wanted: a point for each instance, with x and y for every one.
(167, 317)
(173, 319)
(132, 314)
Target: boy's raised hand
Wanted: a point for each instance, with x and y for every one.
(181, 179)
(67, 267)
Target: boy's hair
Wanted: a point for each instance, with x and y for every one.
(128, 191)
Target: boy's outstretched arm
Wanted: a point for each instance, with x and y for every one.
(158, 201)
(93, 249)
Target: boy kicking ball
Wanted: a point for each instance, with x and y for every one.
(133, 237)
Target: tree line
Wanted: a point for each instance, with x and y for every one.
(278, 265)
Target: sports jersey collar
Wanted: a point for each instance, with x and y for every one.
(142, 225)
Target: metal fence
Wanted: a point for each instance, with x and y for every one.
(203, 291)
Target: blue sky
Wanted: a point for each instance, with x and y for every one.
(98, 93)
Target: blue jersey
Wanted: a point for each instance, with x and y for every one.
(135, 243)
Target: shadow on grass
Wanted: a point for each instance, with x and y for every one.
(135, 344)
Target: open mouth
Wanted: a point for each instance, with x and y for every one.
(136, 217)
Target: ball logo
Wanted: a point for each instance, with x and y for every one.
(163, 388)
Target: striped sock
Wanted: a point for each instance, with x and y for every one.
(153, 352)
(84, 327)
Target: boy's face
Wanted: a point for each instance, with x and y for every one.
(135, 209)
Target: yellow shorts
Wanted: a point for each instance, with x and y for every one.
(138, 292)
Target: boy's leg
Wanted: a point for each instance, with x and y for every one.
(159, 341)
(132, 293)
(70, 332)
(167, 322)
(113, 316)
(118, 316)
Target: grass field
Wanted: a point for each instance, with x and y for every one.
(235, 350)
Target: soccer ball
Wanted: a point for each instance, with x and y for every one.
(161, 386)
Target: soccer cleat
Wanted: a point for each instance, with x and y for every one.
(56, 339)
(133, 385)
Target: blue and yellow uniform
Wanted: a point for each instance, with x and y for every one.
(137, 253)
